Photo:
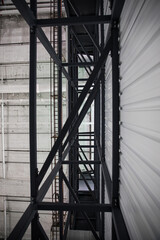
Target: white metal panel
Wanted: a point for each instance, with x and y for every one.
(108, 137)
(140, 117)
(108, 123)
(108, 114)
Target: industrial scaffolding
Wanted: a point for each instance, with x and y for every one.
(87, 48)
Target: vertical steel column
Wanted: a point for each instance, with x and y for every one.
(114, 236)
(2, 138)
(97, 129)
(103, 125)
(32, 119)
(70, 107)
(116, 128)
(97, 133)
(75, 97)
(116, 117)
(60, 118)
(69, 104)
(5, 217)
(3, 164)
(73, 155)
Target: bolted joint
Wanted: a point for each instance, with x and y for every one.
(32, 200)
(59, 67)
(115, 202)
(33, 29)
(115, 24)
(35, 207)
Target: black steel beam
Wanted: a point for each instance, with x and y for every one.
(33, 118)
(47, 45)
(119, 229)
(102, 215)
(25, 11)
(41, 232)
(85, 157)
(87, 207)
(61, 220)
(43, 190)
(83, 60)
(34, 227)
(79, 42)
(71, 21)
(23, 223)
(102, 182)
(66, 7)
(78, 122)
(86, 167)
(113, 234)
(78, 64)
(86, 183)
(70, 90)
(119, 224)
(97, 115)
(30, 19)
(116, 115)
(32, 110)
(74, 112)
(117, 9)
(81, 115)
(85, 139)
(106, 175)
(88, 133)
(88, 146)
(87, 68)
(81, 162)
(107, 178)
(84, 213)
(86, 29)
(66, 226)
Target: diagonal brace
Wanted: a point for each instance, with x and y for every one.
(52, 175)
(22, 225)
(86, 29)
(74, 111)
(42, 234)
(27, 14)
(77, 200)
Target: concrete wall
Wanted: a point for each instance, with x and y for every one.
(14, 121)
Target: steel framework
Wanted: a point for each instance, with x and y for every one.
(70, 137)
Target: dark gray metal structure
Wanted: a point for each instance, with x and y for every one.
(85, 21)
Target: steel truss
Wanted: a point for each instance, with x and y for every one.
(89, 93)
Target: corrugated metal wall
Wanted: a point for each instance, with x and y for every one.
(140, 116)
(108, 113)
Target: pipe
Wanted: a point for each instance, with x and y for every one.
(2, 135)
(5, 218)
(3, 165)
